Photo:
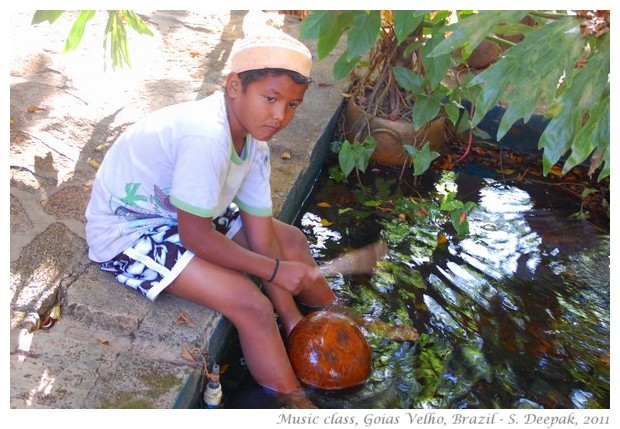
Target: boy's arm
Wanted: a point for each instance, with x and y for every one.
(198, 235)
(261, 236)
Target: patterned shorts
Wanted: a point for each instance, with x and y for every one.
(157, 258)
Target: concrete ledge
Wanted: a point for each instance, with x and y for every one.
(112, 348)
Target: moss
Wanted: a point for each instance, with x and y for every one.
(154, 386)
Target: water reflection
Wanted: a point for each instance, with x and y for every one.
(516, 315)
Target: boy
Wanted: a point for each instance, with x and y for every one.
(182, 203)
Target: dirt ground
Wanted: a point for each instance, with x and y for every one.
(66, 109)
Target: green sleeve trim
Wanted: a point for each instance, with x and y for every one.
(198, 211)
(256, 211)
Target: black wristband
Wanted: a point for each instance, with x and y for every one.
(275, 271)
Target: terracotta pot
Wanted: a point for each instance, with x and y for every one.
(391, 136)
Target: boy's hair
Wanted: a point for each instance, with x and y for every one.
(250, 76)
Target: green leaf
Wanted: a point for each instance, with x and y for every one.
(425, 109)
(408, 80)
(406, 21)
(46, 15)
(342, 66)
(317, 23)
(346, 160)
(364, 33)
(422, 158)
(436, 66)
(453, 111)
(595, 133)
(474, 28)
(134, 21)
(77, 30)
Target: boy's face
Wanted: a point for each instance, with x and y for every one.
(265, 107)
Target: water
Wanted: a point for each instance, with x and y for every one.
(515, 315)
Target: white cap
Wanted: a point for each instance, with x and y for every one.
(271, 49)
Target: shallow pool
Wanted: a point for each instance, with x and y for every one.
(514, 315)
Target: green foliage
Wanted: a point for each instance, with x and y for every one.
(545, 68)
(562, 64)
(355, 156)
(115, 35)
(422, 158)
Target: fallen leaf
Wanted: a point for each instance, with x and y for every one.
(13, 122)
(55, 312)
(185, 354)
(323, 204)
(34, 109)
(506, 171)
(102, 147)
(183, 319)
(93, 163)
(325, 222)
(103, 340)
(193, 54)
(285, 155)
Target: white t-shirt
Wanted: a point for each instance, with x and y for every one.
(179, 156)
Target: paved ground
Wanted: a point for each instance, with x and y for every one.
(78, 339)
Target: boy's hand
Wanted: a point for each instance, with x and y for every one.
(295, 276)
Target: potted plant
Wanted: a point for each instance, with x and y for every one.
(397, 93)
(411, 66)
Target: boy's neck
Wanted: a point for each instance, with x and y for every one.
(239, 144)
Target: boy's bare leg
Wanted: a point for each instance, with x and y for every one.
(241, 301)
(295, 247)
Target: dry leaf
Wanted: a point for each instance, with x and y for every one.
(325, 222)
(506, 171)
(34, 109)
(103, 340)
(102, 147)
(55, 312)
(93, 163)
(285, 155)
(183, 319)
(185, 354)
(193, 54)
(323, 204)
(13, 122)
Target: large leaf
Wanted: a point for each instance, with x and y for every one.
(436, 66)
(115, 30)
(528, 66)
(473, 29)
(327, 26)
(77, 30)
(46, 15)
(406, 21)
(422, 158)
(134, 21)
(364, 33)
(409, 80)
(534, 53)
(425, 109)
(342, 66)
(584, 103)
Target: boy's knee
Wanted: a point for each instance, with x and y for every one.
(260, 308)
